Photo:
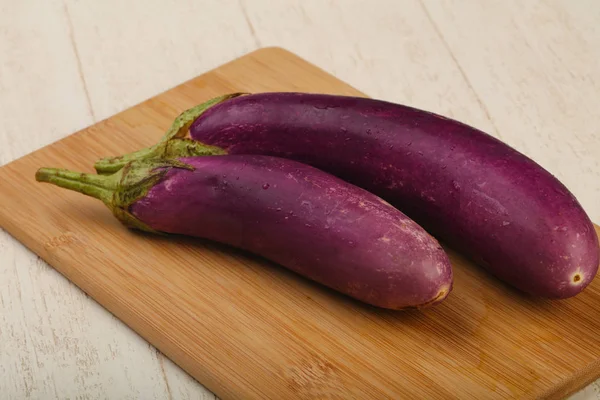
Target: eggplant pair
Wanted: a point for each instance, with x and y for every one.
(474, 192)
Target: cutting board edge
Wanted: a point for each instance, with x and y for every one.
(574, 383)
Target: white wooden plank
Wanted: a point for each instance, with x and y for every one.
(133, 50)
(41, 93)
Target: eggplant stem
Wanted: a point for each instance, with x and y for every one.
(119, 190)
(172, 143)
(98, 186)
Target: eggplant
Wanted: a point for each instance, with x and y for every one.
(470, 190)
(298, 216)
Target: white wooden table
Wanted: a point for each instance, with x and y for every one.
(525, 71)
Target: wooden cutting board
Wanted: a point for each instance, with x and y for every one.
(249, 329)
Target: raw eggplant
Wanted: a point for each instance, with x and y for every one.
(307, 220)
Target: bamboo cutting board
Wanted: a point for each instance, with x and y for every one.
(249, 329)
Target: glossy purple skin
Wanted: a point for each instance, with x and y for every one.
(472, 191)
(306, 220)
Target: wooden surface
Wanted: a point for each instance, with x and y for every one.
(248, 329)
(527, 72)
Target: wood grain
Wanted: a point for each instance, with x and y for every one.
(246, 328)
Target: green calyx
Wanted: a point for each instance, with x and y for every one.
(117, 191)
(172, 144)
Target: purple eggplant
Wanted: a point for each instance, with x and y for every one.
(470, 190)
(302, 218)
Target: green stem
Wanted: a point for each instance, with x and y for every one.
(119, 190)
(109, 165)
(97, 186)
(172, 143)
(173, 148)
